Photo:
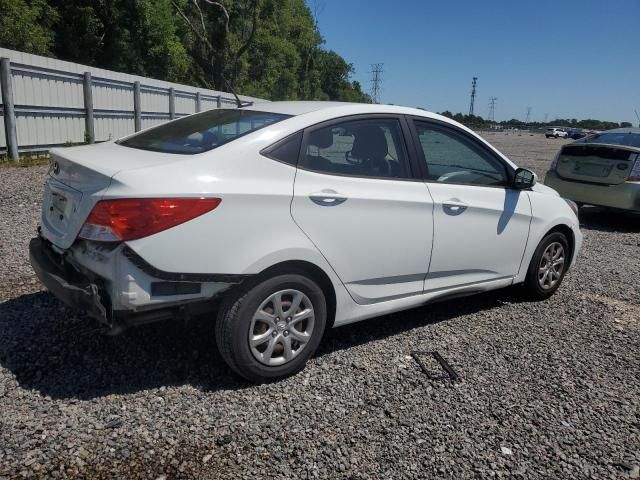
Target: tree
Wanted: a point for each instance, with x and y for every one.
(134, 36)
(26, 26)
(265, 48)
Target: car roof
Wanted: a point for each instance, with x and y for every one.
(295, 107)
(624, 130)
(303, 107)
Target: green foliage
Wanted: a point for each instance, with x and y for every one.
(265, 48)
(134, 36)
(26, 25)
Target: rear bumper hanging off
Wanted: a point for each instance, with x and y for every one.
(66, 283)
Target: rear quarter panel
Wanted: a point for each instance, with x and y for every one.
(249, 231)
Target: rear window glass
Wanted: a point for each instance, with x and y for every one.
(615, 138)
(202, 132)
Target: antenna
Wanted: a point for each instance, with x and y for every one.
(473, 94)
(528, 115)
(376, 81)
(238, 101)
(492, 108)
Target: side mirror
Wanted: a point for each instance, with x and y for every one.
(524, 179)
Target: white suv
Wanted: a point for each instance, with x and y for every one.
(556, 132)
(290, 217)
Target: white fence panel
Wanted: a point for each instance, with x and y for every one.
(50, 107)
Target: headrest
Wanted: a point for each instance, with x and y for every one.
(369, 143)
(322, 138)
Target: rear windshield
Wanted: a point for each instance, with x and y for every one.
(201, 132)
(615, 138)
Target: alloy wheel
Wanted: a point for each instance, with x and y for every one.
(551, 266)
(281, 327)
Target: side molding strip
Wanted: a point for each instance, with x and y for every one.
(149, 269)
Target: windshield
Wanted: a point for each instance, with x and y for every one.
(615, 138)
(202, 132)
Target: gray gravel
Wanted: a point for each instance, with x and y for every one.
(547, 390)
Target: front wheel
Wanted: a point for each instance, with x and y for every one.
(268, 330)
(548, 266)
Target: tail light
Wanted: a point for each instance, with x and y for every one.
(132, 218)
(634, 176)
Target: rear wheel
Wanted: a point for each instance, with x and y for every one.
(268, 330)
(548, 266)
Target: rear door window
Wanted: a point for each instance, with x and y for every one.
(363, 148)
(202, 132)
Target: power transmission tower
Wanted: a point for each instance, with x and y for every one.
(528, 115)
(473, 94)
(492, 108)
(376, 81)
(546, 115)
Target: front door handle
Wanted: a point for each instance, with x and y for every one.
(327, 198)
(454, 206)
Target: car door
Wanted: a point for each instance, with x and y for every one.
(481, 225)
(356, 198)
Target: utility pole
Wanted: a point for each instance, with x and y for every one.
(473, 94)
(492, 108)
(376, 81)
(528, 115)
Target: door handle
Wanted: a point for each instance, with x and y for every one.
(327, 198)
(454, 205)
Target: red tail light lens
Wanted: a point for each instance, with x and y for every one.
(132, 218)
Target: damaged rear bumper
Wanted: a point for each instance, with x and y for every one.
(113, 289)
(66, 283)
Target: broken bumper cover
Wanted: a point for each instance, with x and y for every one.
(67, 284)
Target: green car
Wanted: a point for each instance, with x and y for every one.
(602, 170)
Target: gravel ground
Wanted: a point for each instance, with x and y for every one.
(546, 390)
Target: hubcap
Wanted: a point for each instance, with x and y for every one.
(551, 266)
(281, 327)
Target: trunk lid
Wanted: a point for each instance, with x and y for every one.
(596, 163)
(79, 177)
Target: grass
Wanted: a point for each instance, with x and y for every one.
(25, 161)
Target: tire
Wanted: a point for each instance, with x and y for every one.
(252, 311)
(557, 135)
(535, 287)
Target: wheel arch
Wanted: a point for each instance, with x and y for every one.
(567, 232)
(314, 272)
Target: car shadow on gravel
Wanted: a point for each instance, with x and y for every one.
(62, 355)
(604, 220)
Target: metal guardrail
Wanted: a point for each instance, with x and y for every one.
(11, 111)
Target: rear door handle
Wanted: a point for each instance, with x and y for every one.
(327, 198)
(455, 205)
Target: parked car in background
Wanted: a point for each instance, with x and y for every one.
(294, 217)
(555, 132)
(576, 133)
(602, 169)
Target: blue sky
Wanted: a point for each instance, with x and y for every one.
(564, 58)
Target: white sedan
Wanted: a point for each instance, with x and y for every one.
(291, 217)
